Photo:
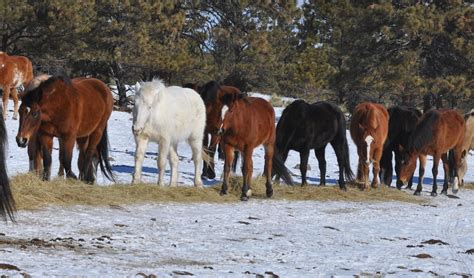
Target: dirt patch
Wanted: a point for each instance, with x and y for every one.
(434, 241)
(423, 256)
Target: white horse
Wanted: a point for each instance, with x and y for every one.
(168, 115)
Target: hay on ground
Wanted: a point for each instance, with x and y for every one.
(32, 193)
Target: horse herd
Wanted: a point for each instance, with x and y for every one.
(215, 116)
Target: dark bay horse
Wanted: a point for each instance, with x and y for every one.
(76, 110)
(436, 133)
(305, 126)
(369, 130)
(245, 123)
(15, 71)
(402, 122)
(210, 94)
(7, 204)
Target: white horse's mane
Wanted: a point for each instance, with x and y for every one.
(151, 87)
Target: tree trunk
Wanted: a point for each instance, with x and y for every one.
(122, 94)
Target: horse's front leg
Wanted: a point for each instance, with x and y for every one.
(269, 152)
(47, 149)
(174, 159)
(196, 148)
(436, 158)
(141, 145)
(247, 171)
(164, 150)
(321, 156)
(421, 172)
(304, 155)
(66, 146)
(376, 166)
(229, 157)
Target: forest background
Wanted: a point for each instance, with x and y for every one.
(394, 52)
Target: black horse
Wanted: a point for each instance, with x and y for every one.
(305, 126)
(7, 204)
(402, 123)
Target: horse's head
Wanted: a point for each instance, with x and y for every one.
(34, 106)
(144, 99)
(462, 167)
(407, 165)
(228, 110)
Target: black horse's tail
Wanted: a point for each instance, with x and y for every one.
(280, 169)
(345, 161)
(7, 204)
(103, 155)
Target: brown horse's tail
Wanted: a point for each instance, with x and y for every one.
(280, 169)
(103, 153)
(7, 204)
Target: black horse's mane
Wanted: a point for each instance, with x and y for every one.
(35, 95)
(209, 91)
(423, 134)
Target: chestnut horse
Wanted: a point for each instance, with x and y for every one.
(436, 133)
(69, 110)
(369, 129)
(245, 123)
(14, 72)
(7, 204)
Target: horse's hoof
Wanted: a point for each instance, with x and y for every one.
(199, 185)
(417, 193)
(343, 188)
(269, 193)
(434, 194)
(249, 193)
(244, 198)
(223, 192)
(455, 191)
(445, 192)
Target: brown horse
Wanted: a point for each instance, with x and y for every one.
(76, 110)
(211, 93)
(14, 72)
(244, 124)
(369, 130)
(7, 204)
(436, 133)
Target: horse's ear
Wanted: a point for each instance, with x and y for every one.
(138, 85)
(401, 148)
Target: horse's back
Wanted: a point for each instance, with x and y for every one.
(180, 113)
(93, 88)
(369, 116)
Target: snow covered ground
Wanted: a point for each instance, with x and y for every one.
(259, 237)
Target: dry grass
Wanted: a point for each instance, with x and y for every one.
(468, 186)
(32, 193)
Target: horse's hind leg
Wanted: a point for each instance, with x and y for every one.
(5, 96)
(174, 159)
(210, 149)
(304, 155)
(197, 159)
(163, 154)
(269, 152)
(284, 156)
(14, 94)
(444, 159)
(421, 172)
(320, 155)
